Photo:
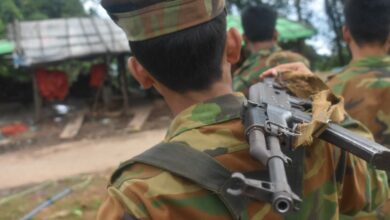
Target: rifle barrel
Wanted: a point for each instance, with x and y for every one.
(374, 153)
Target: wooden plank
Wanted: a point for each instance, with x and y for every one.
(141, 114)
(73, 127)
(5, 142)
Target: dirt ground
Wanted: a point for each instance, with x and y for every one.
(37, 165)
(96, 125)
(73, 158)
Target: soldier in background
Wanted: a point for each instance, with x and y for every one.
(365, 82)
(261, 37)
(182, 49)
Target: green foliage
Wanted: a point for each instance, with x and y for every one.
(7, 71)
(27, 10)
(8, 12)
(56, 8)
(2, 28)
(11, 10)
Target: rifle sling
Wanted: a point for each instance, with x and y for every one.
(185, 161)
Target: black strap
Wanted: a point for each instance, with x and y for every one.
(185, 161)
(128, 217)
(182, 160)
(295, 170)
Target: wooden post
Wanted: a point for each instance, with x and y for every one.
(123, 82)
(99, 93)
(37, 97)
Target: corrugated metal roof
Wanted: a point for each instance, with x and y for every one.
(39, 42)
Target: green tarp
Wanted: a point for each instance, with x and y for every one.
(6, 47)
(288, 30)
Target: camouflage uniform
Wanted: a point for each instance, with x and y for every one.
(365, 86)
(260, 61)
(334, 182)
(215, 126)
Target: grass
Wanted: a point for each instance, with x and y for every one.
(83, 203)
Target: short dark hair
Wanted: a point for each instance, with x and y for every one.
(188, 60)
(259, 22)
(368, 20)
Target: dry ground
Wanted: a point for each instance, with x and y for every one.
(63, 166)
(33, 171)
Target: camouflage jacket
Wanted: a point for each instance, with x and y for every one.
(258, 62)
(334, 182)
(365, 85)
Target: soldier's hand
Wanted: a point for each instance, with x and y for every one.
(290, 67)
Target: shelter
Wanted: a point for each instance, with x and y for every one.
(43, 42)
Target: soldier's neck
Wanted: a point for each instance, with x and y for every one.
(254, 47)
(178, 102)
(368, 50)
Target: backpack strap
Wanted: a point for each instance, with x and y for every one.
(185, 161)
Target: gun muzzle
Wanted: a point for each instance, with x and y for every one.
(282, 203)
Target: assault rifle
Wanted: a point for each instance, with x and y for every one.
(270, 117)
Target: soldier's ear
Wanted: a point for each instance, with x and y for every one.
(140, 73)
(233, 46)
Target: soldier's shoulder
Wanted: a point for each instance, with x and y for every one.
(357, 127)
(283, 57)
(141, 188)
(128, 172)
(332, 74)
(137, 177)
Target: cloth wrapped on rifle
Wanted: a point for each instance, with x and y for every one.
(327, 107)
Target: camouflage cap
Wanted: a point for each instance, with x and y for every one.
(147, 19)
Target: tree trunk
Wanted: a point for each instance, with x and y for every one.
(335, 19)
(298, 7)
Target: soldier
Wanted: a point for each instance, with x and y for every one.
(260, 36)
(365, 82)
(182, 49)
